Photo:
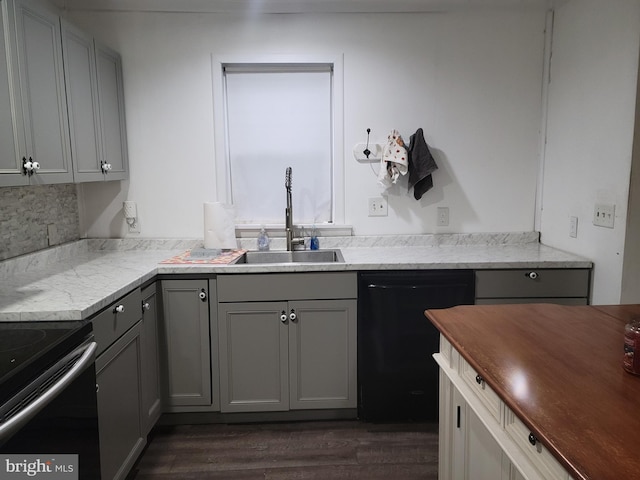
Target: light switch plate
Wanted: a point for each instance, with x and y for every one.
(573, 227)
(378, 207)
(604, 215)
(443, 216)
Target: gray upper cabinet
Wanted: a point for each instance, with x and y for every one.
(39, 79)
(111, 108)
(11, 129)
(61, 100)
(93, 76)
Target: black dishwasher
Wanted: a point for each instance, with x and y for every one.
(397, 375)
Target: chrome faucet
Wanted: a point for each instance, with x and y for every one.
(288, 215)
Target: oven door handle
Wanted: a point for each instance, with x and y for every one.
(17, 421)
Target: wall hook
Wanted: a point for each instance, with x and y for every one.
(366, 151)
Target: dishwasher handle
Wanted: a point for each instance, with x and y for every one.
(26, 413)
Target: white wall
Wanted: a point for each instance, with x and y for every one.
(590, 131)
(471, 80)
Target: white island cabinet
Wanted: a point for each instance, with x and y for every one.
(480, 437)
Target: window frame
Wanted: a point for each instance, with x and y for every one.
(221, 139)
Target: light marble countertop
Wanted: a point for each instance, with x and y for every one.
(77, 280)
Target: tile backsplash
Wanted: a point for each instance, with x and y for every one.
(30, 215)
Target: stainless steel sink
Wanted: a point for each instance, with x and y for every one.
(297, 256)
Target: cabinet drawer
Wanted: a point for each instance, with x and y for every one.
(540, 457)
(526, 283)
(486, 395)
(110, 324)
(287, 286)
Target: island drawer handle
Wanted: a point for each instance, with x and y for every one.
(532, 439)
(531, 275)
(479, 379)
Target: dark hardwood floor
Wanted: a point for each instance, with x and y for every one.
(291, 451)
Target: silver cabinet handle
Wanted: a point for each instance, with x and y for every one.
(293, 316)
(146, 306)
(202, 295)
(283, 317)
(531, 275)
(119, 309)
(13, 424)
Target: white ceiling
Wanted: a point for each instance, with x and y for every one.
(296, 6)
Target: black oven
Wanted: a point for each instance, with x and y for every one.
(48, 401)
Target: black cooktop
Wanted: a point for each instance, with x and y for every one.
(29, 348)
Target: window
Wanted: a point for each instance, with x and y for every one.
(276, 115)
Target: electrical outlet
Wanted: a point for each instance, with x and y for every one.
(573, 227)
(604, 215)
(378, 207)
(52, 234)
(134, 227)
(443, 216)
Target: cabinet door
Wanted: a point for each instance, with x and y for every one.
(474, 453)
(112, 118)
(118, 376)
(253, 356)
(11, 130)
(150, 380)
(44, 106)
(322, 354)
(185, 340)
(82, 102)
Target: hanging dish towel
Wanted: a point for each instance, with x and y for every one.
(421, 165)
(395, 160)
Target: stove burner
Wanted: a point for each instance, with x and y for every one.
(11, 340)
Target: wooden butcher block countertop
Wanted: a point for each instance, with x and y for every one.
(579, 401)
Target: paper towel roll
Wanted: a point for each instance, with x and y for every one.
(219, 226)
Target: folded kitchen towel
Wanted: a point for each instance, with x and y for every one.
(394, 162)
(421, 165)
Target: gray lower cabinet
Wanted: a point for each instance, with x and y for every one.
(149, 365)
(287, 354)
(118, 379)
(188, 369)
(560, 286)
(118, 330)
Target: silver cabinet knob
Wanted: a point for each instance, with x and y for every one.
(119, 309)
(36, 166)
(293, 316)
(202, 295)
(283, 317)
(532, 275)
(146, 306)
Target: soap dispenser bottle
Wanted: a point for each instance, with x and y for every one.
(263, 240)
(315, 242)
